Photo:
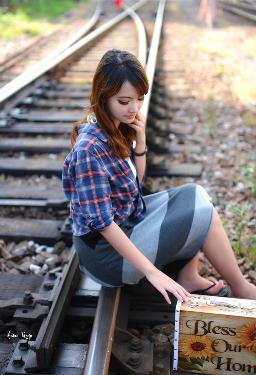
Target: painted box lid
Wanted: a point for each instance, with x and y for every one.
(215, 335)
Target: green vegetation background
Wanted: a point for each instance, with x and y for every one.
(30, 17)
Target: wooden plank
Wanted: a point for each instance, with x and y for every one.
(164, 128)
(56, 145)
(31, 196)
(14, 166)
(51, 193)
(167, 147)
(180, 129)
(55, 85)
(185, 148)
(44, 145)
(55, 103)
(69, 93)
(29, 166)
(193, 170)
(31, 203)
(46, 116)
(37, 128)
(15, 285)
(42, 231)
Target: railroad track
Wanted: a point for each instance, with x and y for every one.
(41, 106)
(36, 112)
(41, 49)
(245, 9)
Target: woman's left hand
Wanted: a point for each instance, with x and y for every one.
(139, 125)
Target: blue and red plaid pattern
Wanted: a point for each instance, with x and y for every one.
(100, 186)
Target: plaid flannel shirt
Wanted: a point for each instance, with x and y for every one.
(100, 186)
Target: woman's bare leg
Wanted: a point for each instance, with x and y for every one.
(219, 252)
(192, 281)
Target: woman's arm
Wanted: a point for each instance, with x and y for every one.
(140, 161)
(163, 283)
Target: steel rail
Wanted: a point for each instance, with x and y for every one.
(23, 80)
(239, 12)
(78, 35)
(246, 6)
(152, 57)
(102, 333)
(241, 5)
(142, 37)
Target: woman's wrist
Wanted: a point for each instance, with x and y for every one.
(141, 141)
(136, 153)
(140, 147)
(149, 269)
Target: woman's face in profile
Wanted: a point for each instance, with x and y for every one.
(125, 104)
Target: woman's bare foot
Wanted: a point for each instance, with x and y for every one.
(200, 283)
(246, 290)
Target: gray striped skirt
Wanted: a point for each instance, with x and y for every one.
(175, 227)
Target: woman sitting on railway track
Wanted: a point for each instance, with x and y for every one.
(120, 235)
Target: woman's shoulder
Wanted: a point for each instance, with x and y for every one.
(86, 139)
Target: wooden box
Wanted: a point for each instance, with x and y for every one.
(215, 335)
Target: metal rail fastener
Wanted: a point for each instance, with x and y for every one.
(47, 336)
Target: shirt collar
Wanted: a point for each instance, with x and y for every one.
(95, 129)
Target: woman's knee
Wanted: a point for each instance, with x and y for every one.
(216, 220)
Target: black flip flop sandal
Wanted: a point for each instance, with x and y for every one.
(224, 292)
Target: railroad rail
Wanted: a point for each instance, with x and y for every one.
(57, 42)
(245, 9)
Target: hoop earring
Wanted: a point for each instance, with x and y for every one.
(91, 118)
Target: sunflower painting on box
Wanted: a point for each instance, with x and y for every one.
(246, 335)
(221, 340)
(194, 351)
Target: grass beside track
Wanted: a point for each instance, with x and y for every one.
(31, 17)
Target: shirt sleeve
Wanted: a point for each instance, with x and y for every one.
(93, 191)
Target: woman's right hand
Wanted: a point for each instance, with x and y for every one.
(164, 284)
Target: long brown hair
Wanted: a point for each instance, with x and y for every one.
(114, 68)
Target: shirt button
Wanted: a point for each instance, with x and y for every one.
(92, 226)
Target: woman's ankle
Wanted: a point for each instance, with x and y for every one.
(244, 290)
(200, 283)
(186, 278)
